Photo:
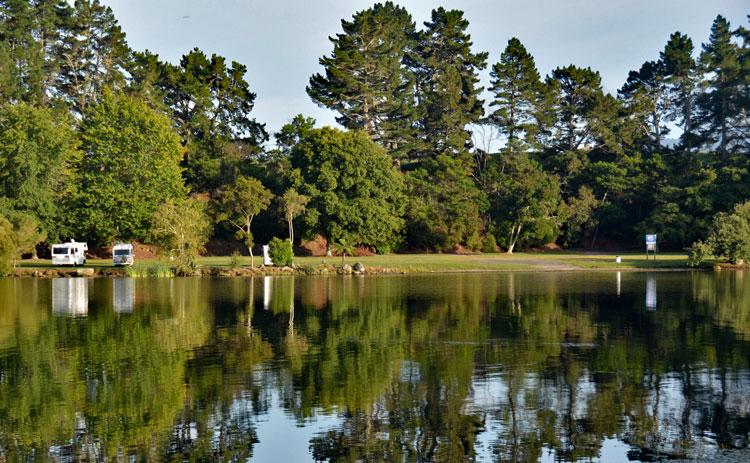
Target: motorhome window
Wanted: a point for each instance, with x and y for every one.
(59, 250)
(122, 252)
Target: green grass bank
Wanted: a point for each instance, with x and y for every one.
(390, 263)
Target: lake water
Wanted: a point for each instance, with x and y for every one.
(577, 366)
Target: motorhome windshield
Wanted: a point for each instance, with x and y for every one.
(62, 250)
(122, 252)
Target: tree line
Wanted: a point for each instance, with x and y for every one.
(103, 143)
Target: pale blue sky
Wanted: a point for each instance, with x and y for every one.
(280, 41)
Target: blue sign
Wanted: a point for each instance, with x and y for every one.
(650, 239)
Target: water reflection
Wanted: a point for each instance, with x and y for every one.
(70, 296)
(650, 292)
(508, 367)
(618, 276)
(123, 295)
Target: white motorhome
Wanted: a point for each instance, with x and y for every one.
(72, 253)
(122, 254)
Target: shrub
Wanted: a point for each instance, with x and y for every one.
(490, 244)
(234, 260)
(729, 236)
(280, 252)
(698, 253)
(156, 269)
(474, 242)
(160, 269)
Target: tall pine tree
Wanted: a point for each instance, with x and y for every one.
(679, 70)
(720, 101)
(644, 95)
(92, 53)
(211, 104)
(516, 89)
(447, 84)
(365, 79)
(586, 115)
(447, 207)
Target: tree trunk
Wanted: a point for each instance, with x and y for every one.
(291, 231)
(252, 259)
(514, 234)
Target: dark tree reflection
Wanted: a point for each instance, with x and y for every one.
(506, 367)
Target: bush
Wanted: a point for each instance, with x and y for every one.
(234, 260)
(489, 245)
(156, 269)
(698, 253)
(280, 252)
(728, 238)
(730, 234)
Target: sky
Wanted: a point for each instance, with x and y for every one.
(280, 41)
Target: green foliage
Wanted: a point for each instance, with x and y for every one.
(729, 236)
(7, 246)
(355, 192)
(586, 115)
(239, 203)
(234, 260)
(27, 232)
(580, 217)
(517, 91)
(293, 204)
(37, 148)
(489, 243)
(720, 116)
(445, 206)
(130, 166)
(645, 100)
(181, 227)
(447, 78)
(280, 252)
(680, 78)
(365, 79)
(92, 55)
(524, 200)
(698, 253)
(211, 104)
(154, 270)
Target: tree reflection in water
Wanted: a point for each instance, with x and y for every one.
(502, 367)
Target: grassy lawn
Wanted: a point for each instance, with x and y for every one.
(551, 261)
(502, 261)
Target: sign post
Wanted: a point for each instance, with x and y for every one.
(651, 245)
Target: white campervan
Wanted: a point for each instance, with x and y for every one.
(72, 253)
(122, 254)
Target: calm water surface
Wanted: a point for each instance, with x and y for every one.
(488, 367)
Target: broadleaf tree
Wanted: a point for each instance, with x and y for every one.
(239, 203)
(38, 147)
(130, 165)
(355, 192)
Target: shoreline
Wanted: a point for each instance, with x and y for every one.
(388, 264)
(329, 270)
